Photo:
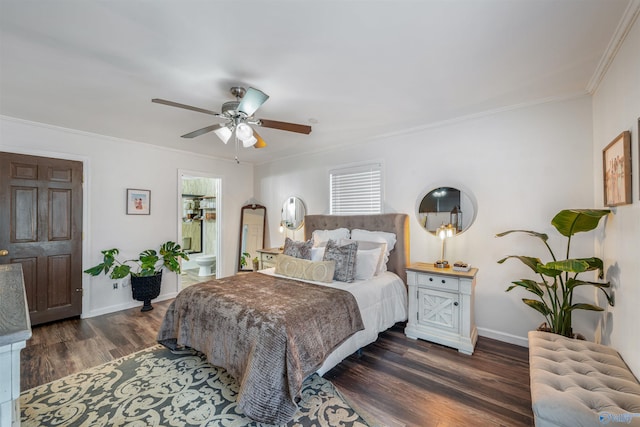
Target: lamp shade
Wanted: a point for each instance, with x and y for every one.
(244, 132)
(246, 143)
(224, 133)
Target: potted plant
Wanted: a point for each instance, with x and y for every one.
(145, 271)
(256, 264)
(560, 277)
(243, 259)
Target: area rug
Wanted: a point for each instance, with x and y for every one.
(156, 387)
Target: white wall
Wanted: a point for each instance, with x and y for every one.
(522, 166)
(616, 108)
(110, 167)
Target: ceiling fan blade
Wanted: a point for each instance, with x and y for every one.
(291, 127)
(260, 143)
(201, 131)
(251, 101)
(186, 107)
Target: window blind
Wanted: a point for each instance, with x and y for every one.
(356, 190)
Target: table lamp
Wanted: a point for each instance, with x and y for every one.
(444, 232)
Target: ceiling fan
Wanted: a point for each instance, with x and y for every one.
(238, 116)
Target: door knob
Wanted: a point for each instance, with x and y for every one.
(4, 252)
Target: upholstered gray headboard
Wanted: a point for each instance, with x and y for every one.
(392, 223)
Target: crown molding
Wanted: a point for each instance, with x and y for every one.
(629, 17)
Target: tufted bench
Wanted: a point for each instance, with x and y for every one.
(580, 383)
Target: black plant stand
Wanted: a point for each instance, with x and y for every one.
(145, 289)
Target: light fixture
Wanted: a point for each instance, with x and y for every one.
(246, 143)
(244, 131)
(224, 133)
(444, 232)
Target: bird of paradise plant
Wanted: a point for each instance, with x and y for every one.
(560, 277)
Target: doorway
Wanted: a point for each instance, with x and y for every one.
(199, 226)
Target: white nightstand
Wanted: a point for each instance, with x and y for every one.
(441, 306)
(268, 257)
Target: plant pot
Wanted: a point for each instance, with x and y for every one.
(256, 265)
(145, 289)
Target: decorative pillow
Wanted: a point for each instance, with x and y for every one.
(295, 249)
(322, 236)
(345, 258)
(376, 236)
(367, 262)
(365, 246)
(317, 254)
(297, 268)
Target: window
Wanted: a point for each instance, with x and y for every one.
(356, 190)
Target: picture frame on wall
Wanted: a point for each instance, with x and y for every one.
(616, 169)
(138, 202)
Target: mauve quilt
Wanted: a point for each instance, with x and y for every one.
(270, 333)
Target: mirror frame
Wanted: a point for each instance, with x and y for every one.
(284, 221)
(467, 194)
(252, 207)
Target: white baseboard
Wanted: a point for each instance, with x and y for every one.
(119, 307)
(504, 337)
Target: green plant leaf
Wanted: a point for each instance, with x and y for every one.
(538, 305)
(529, 285)
(570, 265)
(530, 262)
(547, 270)
(574, 283)
(96, 270)
(148, 260)
(571, 221)
(540, 236)
(583, 306)
(120, 271)
(170, 252)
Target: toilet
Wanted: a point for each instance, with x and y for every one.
(206, 263)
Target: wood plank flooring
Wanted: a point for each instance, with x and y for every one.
(401, 382)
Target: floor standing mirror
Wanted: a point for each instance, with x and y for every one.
(252, 228)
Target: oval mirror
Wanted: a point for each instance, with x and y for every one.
(446, 205)
(252, 227)
(292, 214)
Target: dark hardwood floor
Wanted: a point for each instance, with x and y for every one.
(401, 382)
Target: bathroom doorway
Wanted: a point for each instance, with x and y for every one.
(199, 226)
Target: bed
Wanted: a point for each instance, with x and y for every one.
(271, 332)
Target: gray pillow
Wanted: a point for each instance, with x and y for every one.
(295, 249)
(345, 259)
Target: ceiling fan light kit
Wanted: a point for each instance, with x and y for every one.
(238, 116)
(224, 133)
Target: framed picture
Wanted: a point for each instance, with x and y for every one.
(616, 168)
(138, 202)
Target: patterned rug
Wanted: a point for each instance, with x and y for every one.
(156, 387)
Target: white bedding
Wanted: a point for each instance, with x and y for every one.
(382, 301)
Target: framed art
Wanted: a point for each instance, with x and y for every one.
(616, 168)
(138, 202)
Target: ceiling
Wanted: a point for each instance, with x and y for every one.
(353, 70)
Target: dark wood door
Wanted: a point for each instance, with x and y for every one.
(41, 228)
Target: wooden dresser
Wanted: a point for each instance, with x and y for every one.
(441, 306)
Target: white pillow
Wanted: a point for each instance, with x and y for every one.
(364, 245)
(376, 236)
(322, 236)
(317, 254)
(367, 262)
